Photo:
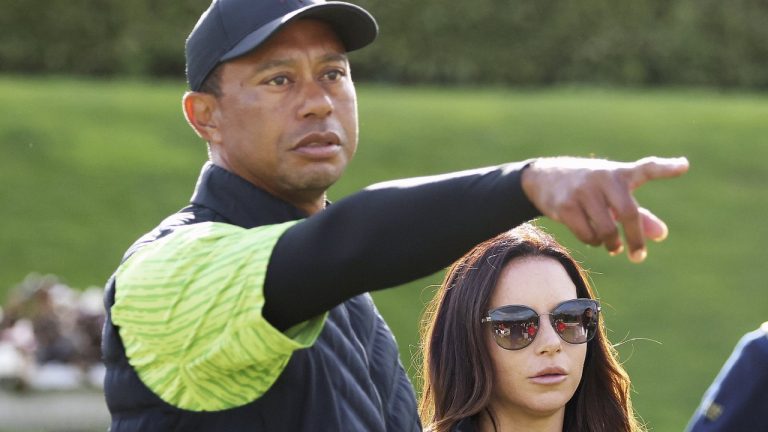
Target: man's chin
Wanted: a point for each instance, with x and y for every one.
(318, 179)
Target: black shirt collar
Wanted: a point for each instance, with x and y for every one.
(238, 201)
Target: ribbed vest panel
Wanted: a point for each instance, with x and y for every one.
(351, 379)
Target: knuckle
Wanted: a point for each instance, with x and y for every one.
(568, 207)
(590, 238)
(650, 161)
(606, 231)
(611, 179)
(583, 233)
(587, 238)
(627, 211)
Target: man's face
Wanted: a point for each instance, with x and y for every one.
(288, 112)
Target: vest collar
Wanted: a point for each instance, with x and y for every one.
(239, 201)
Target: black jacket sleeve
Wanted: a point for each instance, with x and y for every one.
(387, 235)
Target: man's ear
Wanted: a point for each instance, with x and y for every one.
(201, 112)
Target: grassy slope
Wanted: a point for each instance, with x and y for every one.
(87, 167)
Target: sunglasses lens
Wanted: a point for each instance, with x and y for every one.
(576, 320)
(514, 327)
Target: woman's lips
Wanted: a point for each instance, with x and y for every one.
(549, 376)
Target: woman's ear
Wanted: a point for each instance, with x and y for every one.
(200, 110)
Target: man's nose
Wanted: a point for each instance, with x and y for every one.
(316, 101)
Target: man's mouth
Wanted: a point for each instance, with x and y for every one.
(319, 145)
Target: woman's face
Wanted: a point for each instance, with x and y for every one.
(541, 378)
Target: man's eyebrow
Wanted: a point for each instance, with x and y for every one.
(270, 64)
(277, 63)
(334, 57)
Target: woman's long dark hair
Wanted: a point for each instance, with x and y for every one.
(458, 373)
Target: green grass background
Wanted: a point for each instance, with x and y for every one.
(86, 167)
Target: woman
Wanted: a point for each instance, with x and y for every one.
(513, 342)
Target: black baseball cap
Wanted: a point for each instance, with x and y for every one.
(231, 28)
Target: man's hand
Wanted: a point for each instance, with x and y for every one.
(592, 196)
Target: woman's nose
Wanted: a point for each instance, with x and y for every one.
(547, 340)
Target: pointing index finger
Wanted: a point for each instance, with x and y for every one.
(651, 168)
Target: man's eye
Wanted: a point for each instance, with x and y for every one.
(334, 75)
(278, 81)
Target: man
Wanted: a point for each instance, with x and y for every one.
(737, 399)
(248, 309)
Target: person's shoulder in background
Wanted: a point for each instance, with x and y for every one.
(738, 398)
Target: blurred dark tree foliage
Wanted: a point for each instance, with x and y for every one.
(520, 42)
(96, 37)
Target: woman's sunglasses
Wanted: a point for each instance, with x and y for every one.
(515, 326)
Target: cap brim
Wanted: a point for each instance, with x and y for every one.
(355, 27)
